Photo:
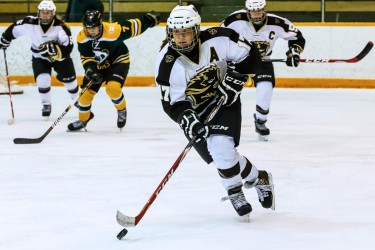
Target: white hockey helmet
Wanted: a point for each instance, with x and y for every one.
(46, 5)
(183, 17)
(256, 5)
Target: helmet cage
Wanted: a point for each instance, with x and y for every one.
(259, 20)
(49, 6)
(184, 19)
(172, 43)
(255, 6)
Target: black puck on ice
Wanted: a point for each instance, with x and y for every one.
(122, 234)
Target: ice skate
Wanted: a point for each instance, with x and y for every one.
(78, 125)
(121, 118)
(239, 202)
(265, 189)
(261, 129)
(46, 111)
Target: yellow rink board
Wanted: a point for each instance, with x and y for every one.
(148, 81)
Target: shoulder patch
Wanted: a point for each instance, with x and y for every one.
(111, 31)
(273, 20)
(239, 16)
(217, 32)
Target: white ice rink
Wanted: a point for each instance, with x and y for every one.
(64, 192)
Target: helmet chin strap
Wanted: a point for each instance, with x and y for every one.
(45, 21)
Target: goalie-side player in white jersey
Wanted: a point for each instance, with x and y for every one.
(51, 47)
(192, 74)
(255, 24)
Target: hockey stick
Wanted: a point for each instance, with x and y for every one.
(129, 221)
(355, 59)
(40, 139)
(10, 121)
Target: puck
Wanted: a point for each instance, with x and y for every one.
(122, 234)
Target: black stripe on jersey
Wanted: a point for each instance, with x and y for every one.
(29, 20)
(217, 32)
(65, 50)
(163, 77)
(166, 66)
(272, 20)
(300, 41)
(236, 17)
(8, 33)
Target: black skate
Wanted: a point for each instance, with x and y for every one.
(239, 202)
(78, 125)
(121, 118)
(46, 110)
(261, 129)
(265, 189)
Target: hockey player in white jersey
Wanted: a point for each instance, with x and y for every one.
(192, 74)
(255, 24)
(51, 47)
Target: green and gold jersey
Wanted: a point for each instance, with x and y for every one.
(109, 48)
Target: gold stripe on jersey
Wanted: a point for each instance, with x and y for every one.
(136, 26)
(122, 59)
(85, 60)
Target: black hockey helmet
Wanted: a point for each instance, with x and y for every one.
(92, 18)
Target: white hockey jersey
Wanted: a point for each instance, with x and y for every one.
(195, 77)
(275, 27)
(56, 32)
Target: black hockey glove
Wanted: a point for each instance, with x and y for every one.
(293, 56)
(50, 50)
(231, 86)
(94, 76)
(153, 17)
(190, 123)
(4, 43)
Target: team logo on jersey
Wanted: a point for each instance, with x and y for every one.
(212, 31)
(263, 47)
(169, 58)
(203, 86)
(100, 56)
(238, 16)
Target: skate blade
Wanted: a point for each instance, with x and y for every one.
(262, 137)
(77, 131)
(46, 118)
(245, 218)
(273, 190)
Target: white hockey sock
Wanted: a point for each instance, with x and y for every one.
(264, 91)
(43, 82)
(72, 88)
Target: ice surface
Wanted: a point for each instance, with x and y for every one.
(64, 192)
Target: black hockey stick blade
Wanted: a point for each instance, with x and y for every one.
(365, 51)
(40, 139)
(29, 140)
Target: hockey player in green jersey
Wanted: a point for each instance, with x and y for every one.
(105, 59)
